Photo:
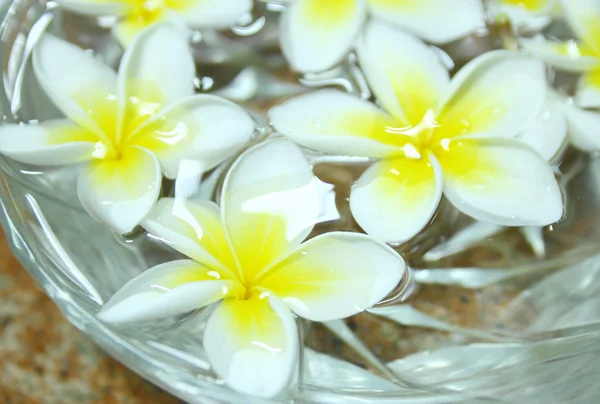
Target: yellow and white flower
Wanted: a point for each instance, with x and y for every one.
(435, 135)
(135, 15)
(317, 34)
(131, 127)
(526, 15)
(247, 256)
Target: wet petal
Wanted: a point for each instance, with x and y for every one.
(120, 192)
(210, 13)
(318, 34)
(396, 198)
(501, 181)
(583, 127)
(583, 17)
(202, 131)
(588, 90)
(405, 74)
(81, 86)
(56, 142)
(497, 94)
(437, 21)
(194, 229)
(253, 345)
(270, 203)
(335, 275)
(548, 133)
(96, 7)
(338, 123)
(573, 56)
(168, 289)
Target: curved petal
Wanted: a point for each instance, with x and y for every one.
(82, 87)
(167, 290)
(157, 70)
(338, 123)
(194, 229)
(202, 130)
(572, 56)
(588, 89)
(528, 15)
(127, 29)
(56, 142)
(583, 127)
(437, 21)
(548, 133)
(210, 13)
(406, 75)
(316, 34)
(501, 181)
(396, 198)
(253, 345)
(122, 191)
(335, 275)
(96, 7)
(583, 17)
(270, 203)
(497, 94)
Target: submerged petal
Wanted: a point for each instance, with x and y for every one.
(169, 289)
(56, 142)
(406, 75)
(210, 13)
(396, 198)
(339, 123)
(437, 21)
(120, 192)
(253, 345)
(500, 180)
(316, 34)
(335, 275)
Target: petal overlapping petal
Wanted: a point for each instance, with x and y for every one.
(548, 133)
(583, 126)
(588, 89)
(571, 55)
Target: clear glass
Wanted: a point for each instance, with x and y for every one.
(492, 324)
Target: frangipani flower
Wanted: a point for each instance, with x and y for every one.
(437, 135)
(132, 127)
(317, 34)
(248, 258)
(136, 15)
(528, 15)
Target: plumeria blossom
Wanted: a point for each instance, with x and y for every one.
(526, 15)
(435, 136)
(248, 258)
(317, 34)
(136, 15)
(131, 127)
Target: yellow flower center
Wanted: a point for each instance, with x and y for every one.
(531, 5)
(148, 11)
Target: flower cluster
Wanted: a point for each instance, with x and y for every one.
(484, 138)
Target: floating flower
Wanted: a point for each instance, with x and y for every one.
(248, 257)
(528, 15)
(437, 135)
(317, 34)
(136, 15)
(130, 126)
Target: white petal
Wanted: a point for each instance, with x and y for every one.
(210, 13)
(121, 192)
(588, 90)
(396, 198)
(437, 21)
(526, 16)
(335, 275)
(583, 127)
(95, 7)
(571, 56)
(253, 345)
(500, 180)
(406, 75)
(548, 133)
(270, 203)
(316, 34)
(336, 122)
(194, 229)
(57, 142)
(74, 80)
(496, 94)
(196, 133)
(156, 70)
(167, 290)
(583, 17)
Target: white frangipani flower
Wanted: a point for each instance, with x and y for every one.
(248, 257)
(437, 136)
(136, 15)
(132, 127)
(317, 34)
(526, 15)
